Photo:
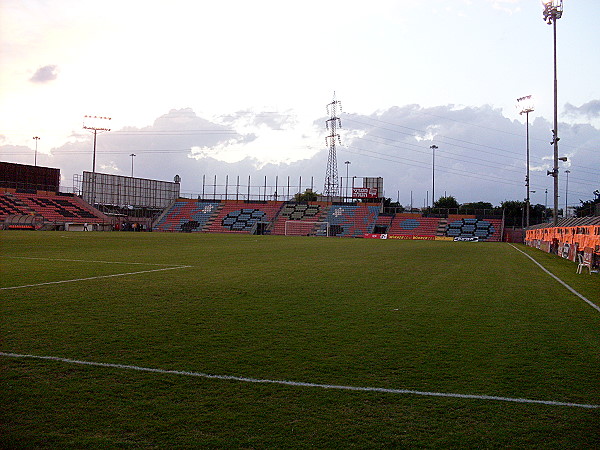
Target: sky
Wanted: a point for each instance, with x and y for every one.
(233, 88)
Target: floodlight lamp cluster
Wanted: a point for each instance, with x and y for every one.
(553, 10)
(95, 119)
(525, 104)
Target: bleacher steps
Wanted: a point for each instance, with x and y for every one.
(441, 229)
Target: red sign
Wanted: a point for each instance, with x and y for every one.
(364, 192)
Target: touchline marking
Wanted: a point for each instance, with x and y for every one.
(88, 261)
(303, 384)
(92, 278)
(593, 305)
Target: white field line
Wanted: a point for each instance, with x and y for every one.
(593, 305)
(88, 261)
(304, 384)
(93, 278)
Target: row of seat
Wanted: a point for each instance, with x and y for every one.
(282, 218)
(53, 208)
(187, 215)
(421, 226)
(352, 220)
(300, 219)
(240, 217)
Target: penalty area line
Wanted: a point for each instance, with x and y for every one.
(304, 384)
(75, 280)
(593, 305)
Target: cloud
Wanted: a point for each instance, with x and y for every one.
(252, 119)
(506, 5)
(45, 74)
(590, 110)
(480, 157)
(481, 154)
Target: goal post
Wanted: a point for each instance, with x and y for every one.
(306, 228)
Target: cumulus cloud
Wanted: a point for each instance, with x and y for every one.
(480, 157)
(481, 154)
(249, 118)
(589, 110)
(45, 74)
(507, 6)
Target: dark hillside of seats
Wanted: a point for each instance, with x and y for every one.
(52, 207)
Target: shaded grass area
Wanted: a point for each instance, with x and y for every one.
(434, 316)
(96, 409)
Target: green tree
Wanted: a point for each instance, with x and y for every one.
(474, 206)
(448, 202)
(307, 196)
(513, 212)
(388, 203)
(587, 208)
(539, 214)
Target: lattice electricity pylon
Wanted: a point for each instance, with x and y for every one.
(331, 175)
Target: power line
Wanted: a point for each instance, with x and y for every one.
(477, 145)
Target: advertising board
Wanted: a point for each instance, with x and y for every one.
(364, 192)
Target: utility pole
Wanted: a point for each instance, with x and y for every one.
(93, 123)
(546, 205)
(433, 148)
(526, 106)
(566, 194)
(35, 157)
(553, 10)
(347, 177)
(132, 156)
(331, 174)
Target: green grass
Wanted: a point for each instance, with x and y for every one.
(466, 318)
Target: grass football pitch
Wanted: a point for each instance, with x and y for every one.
(159, 340)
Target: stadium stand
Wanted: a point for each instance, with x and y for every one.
(484, 230)
(383, 223)
(51, 207)
(352, 220)
(241, 217)
(583, 232)
(300, 212)
(10, 204)
(414, 225)
(187, 215)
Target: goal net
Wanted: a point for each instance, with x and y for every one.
(306, 228)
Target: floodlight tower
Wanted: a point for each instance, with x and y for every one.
(132, 156)
(525, 106)
(567, 193)
(95, 124)
(37, 138)
(331, 174)
(553, 10)
(347, 178)
(433, 149)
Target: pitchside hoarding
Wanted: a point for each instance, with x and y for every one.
(406, 237)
